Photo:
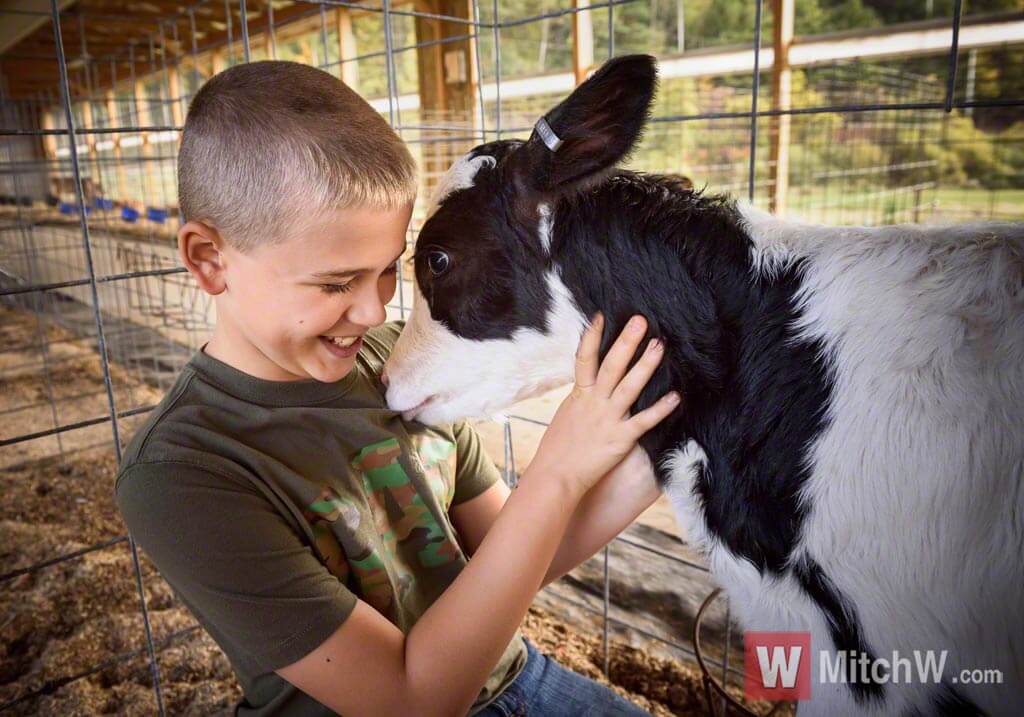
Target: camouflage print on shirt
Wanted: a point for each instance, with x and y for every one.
(403, 522)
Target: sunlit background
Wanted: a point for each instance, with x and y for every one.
(859, 112)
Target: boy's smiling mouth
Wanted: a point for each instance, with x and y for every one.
(342, 346)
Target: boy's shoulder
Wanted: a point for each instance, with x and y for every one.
(170, 434)
(139, 449)
(378, 343)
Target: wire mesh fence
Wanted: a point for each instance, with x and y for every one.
(99, 316)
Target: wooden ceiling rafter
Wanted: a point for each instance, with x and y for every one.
(111, 27)
(109, 30)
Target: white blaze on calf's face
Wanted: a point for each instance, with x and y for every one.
(459, 176)
(459, 377)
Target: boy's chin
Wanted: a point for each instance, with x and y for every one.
(331, 370)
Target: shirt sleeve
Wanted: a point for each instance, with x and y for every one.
(475, 472)
(245, 573)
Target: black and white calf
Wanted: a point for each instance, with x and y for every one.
(850, 449)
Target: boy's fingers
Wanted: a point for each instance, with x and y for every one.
(618, 357)
(587, 353)
(629, 388)
(653, 415)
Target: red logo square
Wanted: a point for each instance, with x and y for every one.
(777, 665)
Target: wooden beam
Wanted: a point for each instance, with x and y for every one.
(269, 36)
(582, 40)
(49, 140)
(96, 188)
(782, 87)
(45, 76)
(16, 27)
(112, 112)
(447, 81)
(116, 24)
(347, 49)
(88, 122)
(142, 117)
(174, 90)
(219, 63)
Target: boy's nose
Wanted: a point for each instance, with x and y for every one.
(369, 311)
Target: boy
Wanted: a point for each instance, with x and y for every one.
(320, 540)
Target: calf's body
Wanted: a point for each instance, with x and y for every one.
(850, 450)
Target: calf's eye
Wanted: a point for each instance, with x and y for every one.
(438, 262)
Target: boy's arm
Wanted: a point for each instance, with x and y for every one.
(367, 666)
(604, 512)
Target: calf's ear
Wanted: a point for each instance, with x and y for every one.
(593, 129)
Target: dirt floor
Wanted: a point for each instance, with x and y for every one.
(49, 377)
(69, 618)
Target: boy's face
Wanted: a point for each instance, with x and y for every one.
(298, 308)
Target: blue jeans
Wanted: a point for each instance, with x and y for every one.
(546, 689)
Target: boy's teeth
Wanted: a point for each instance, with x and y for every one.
(343, 342)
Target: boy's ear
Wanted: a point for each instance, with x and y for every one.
(592, 130)
(200, 249)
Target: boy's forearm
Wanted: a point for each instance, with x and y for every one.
(604, 512)
(488, 600)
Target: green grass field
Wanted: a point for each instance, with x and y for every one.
(997, 204)
(883, 206)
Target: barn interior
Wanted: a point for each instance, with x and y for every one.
(833, 111)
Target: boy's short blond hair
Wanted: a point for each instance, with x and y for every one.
(269, 144)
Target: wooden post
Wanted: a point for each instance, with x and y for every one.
(447, 82)
(782, 86)
(49, 140)
(91, 191)
(50, 152)
(142, 103)
(582, 40)
(90, 139)
(174, 88)
(307, 55)
(347, 49)
(122, 182)
(269, 46)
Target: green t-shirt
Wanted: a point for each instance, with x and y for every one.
(271, 507)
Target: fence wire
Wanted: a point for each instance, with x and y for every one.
(106, 283)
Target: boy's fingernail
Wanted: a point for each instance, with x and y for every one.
(655, 345)
(673, 397)
(636, 324)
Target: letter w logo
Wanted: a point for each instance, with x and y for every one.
(777, 665)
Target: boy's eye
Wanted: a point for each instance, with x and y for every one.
(347, 286)
(336, 288)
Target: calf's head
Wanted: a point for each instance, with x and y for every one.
(492, 322)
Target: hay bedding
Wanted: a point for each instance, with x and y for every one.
(65, 619)
(70, 617)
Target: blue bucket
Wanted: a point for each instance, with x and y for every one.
(156, 215)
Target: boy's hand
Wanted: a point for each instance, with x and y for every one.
(592, 430)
